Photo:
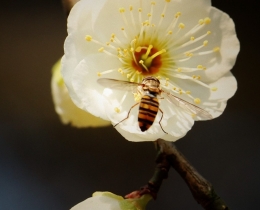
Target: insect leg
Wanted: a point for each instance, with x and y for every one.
(161, 120)
(127, 114)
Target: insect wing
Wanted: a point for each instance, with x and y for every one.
(188, 107)
(118, 84)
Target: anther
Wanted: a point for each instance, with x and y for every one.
(181, 26)
(88, 38)
(197, 101)
(205, 43)
(121, 10)
(117, 110)
(216, 49)
(101, 49)
(178, 14)
(201, 22)
(214, 89)
(138, 49)
(207, 20)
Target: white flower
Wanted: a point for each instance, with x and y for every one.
(65, 108)
(188, 45)
(110, 201)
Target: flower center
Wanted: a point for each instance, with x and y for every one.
(168, 49)
(147, 60)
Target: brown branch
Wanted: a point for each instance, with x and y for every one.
(161, 172)
(201, 189)
(68, 4)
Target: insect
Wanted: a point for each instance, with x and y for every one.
(150, 89)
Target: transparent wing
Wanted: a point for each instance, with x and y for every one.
(188, 107)
(118, 84)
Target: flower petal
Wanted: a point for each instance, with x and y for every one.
(67, 110)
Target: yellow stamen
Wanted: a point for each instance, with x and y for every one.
(147, 52)
(117, 110)
(158, 53)
(214, 89)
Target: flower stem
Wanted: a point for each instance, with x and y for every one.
(201, 189)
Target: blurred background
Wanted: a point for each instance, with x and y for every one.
(46, 165)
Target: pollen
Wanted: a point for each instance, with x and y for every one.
(131, 8)
(117, 110)
(179, 70)
(153, 3)
(197, 101)
(99, 74)
(192, 38)
(149, 14)
(208, 32)
(181, 25)
(214, 89)
(188, 92)
(168, 0)
(88, 38)
(140, 10)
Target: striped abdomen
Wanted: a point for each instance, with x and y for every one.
(148, 109)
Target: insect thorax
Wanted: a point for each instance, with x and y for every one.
(151, 86)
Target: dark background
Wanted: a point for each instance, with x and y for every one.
(45, 165)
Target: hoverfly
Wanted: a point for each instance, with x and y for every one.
(150, 89)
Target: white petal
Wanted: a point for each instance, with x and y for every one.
(98, 202)
(223, 29)
(67, 110)
(84, 82)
